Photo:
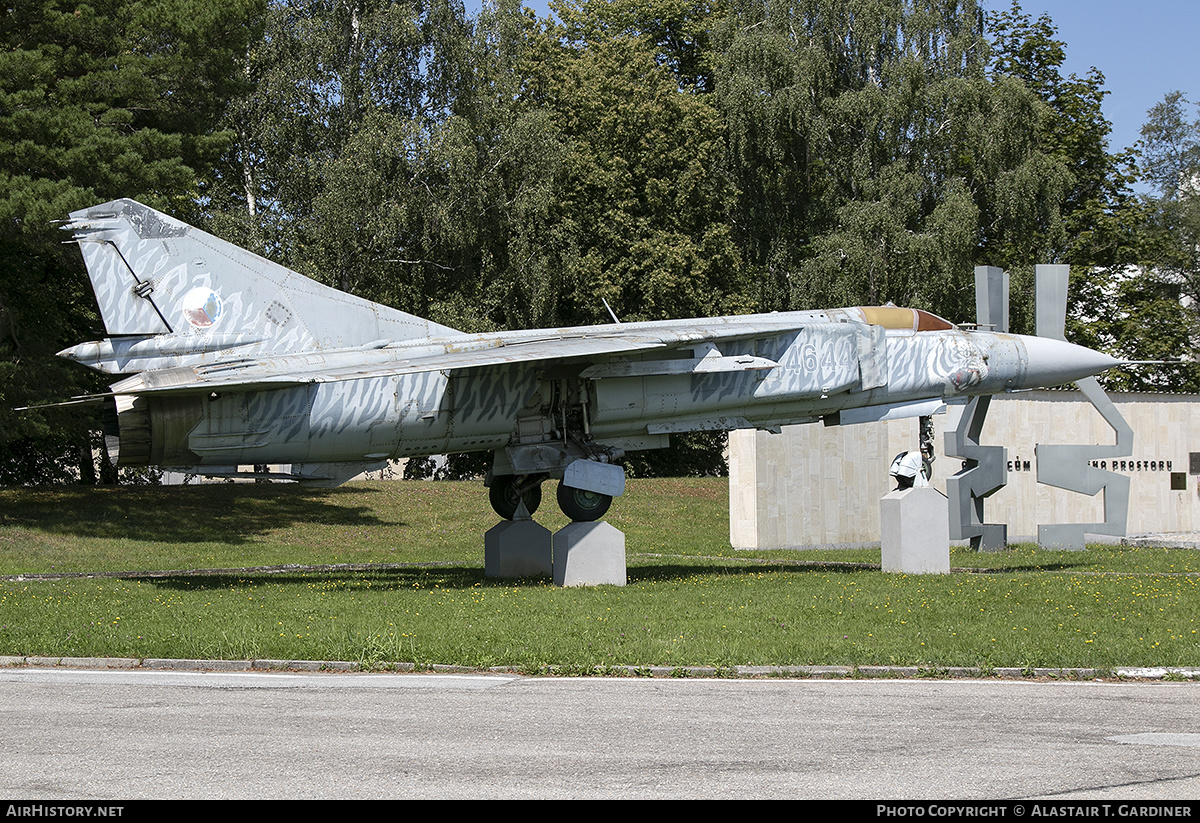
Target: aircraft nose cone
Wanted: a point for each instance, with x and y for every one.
(1051, 362)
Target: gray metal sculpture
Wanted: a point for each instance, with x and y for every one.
(1069, 467)
(233, 359)
(984, 473)
(984, 469)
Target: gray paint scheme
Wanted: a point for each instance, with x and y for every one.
(231, 359)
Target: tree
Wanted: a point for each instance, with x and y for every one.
(1170, 161)
(677, 32)
(322, 71)
(875, 158)
(1170, 148)
(110, 99)
(1096, 225)
(643, 205)
(392, 158)
(1157, 319)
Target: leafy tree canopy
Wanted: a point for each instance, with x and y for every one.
(97, 101)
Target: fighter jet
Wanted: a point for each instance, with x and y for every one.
(229, 359)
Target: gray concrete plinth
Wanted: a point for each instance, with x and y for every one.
(589, 554)
(915, 531)
(517, 548)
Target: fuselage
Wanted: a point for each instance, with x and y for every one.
(822, 364)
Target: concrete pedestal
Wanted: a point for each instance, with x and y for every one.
(517, 548)
(915, 531)
(589, 554)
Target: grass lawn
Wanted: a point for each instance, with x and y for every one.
(422, 597)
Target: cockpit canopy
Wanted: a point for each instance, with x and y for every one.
(894, 317)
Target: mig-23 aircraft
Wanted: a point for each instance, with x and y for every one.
(230, 359)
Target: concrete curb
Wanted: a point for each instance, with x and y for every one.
(1188, 673)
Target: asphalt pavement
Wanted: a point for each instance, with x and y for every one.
(123, 734)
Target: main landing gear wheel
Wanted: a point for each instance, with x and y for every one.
(505, 497)
(582, 506)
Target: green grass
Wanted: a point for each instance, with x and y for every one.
(691, 600)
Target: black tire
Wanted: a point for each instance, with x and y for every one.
(582, 506)
(504, 498)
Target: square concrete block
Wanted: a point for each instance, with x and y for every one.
(589, 554)
(517, 548)
(915, 531)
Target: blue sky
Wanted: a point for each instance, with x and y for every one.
(1145, 50)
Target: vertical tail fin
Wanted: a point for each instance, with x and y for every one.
(155, 276)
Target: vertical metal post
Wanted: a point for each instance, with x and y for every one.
(1050, 283)
(991, 298)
